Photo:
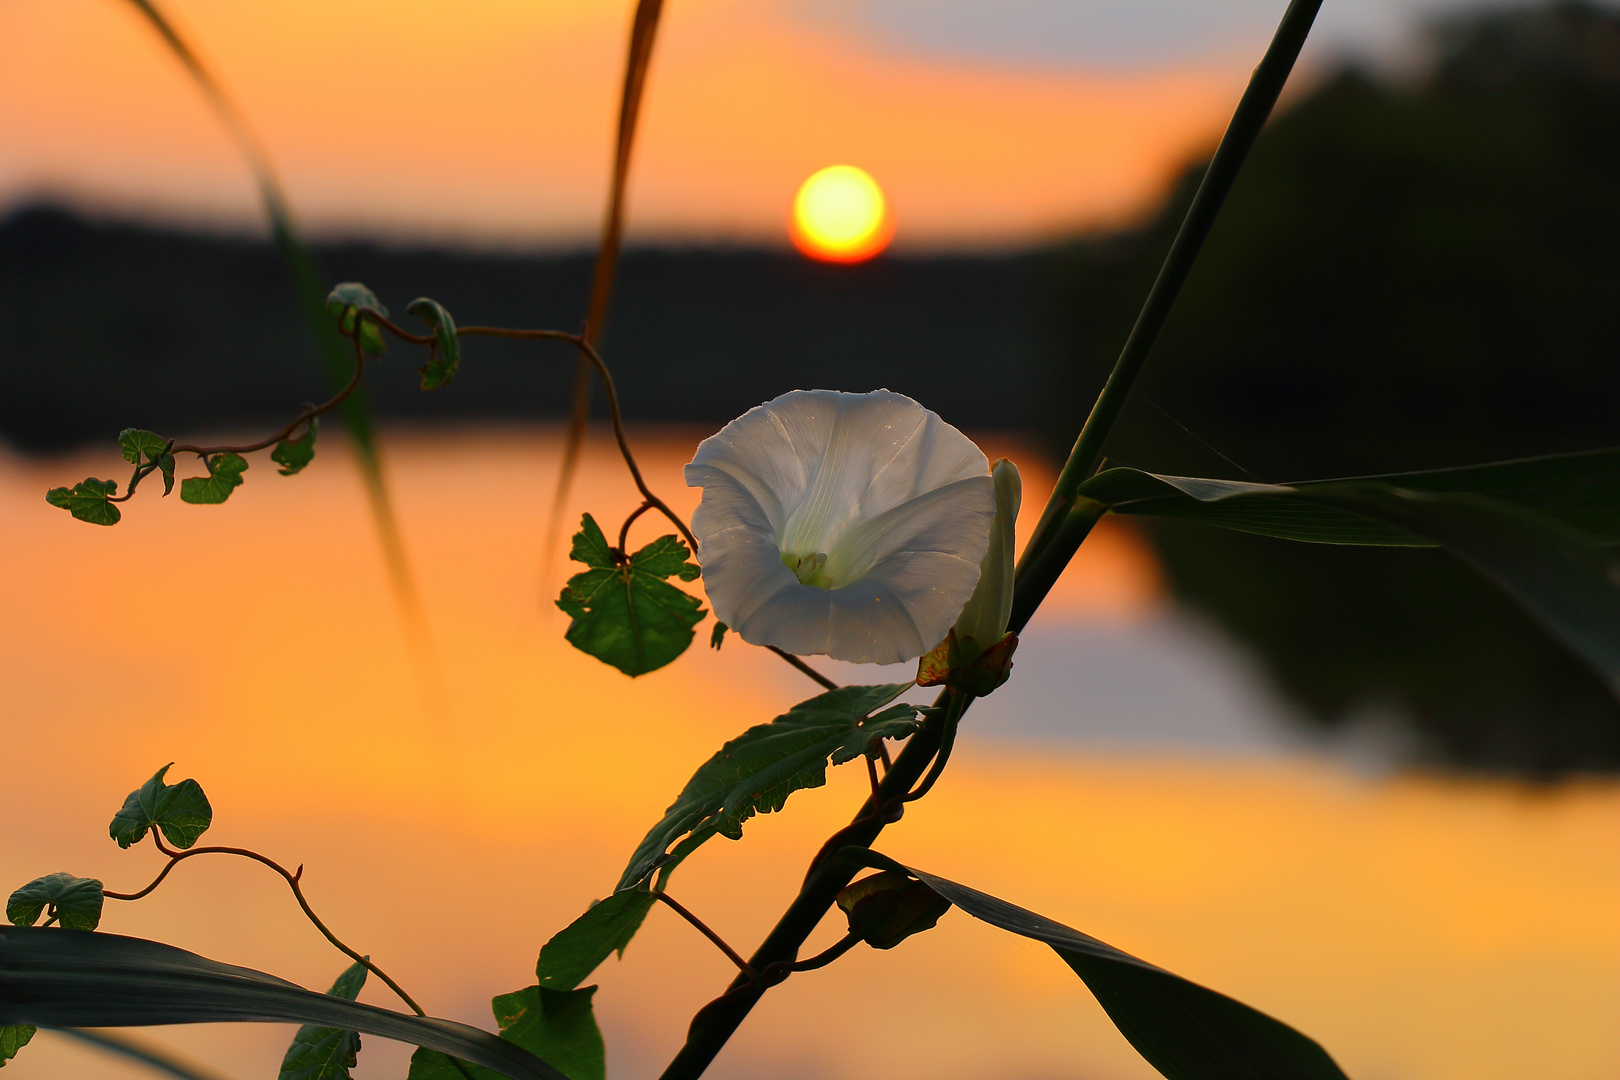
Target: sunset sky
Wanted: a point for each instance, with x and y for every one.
(489, 121)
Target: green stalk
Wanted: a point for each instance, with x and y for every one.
(1252, 112)
(1064, 525)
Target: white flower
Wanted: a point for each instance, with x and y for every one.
(846, 524)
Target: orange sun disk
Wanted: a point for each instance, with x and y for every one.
(840, 215)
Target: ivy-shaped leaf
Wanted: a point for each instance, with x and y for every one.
(293, 454)
(224, 476)
(180, 811)
(759, 769)
(75, 902)
(580, 947)
(557, 1026)
(12, 1039)
(625, 612)
(441, 367)
(342, 302)
(87, 501)
(137, 444)
(325, 1053)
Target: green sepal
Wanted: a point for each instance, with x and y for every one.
(580, 947)
(624, 611)
(180, 811)
(441, 366)
(87, 501)
(224, 476)
(326, 1053)
(757, 771)
(13, 1038)
(717, 636)
(887, 907)
(342, 302)
(293, 454)
(75, 902)
(557, 1026)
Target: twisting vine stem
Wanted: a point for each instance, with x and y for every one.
(292, 877)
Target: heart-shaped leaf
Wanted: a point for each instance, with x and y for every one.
(224, 476)
(87, 501)
(294, 454)
(625, 611)
(180, 811)
(75, 902)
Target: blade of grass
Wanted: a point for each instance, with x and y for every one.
(643, 32)
(150, 1056)
(311, 288)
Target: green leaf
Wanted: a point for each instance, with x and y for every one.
(165, 464)
(759, 769)
(180, 811)
(557, 1026)
(74, 902)
(13, 1038)
(441, 367)
(87, 501)
(625, 613)
(52, 979)
(343, 301)
(326, 1053)
(224, 476)
(293, 454)
(1184, 1030)
(580, 947)
(1553, 569)
(1582, 490)
(137, 444)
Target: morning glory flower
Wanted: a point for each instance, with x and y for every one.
(852, 525)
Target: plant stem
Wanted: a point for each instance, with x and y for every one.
(643, 32)
(292, 879)
(1064, 525)
(703, 928)
(1250, 117)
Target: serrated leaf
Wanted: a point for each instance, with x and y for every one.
(294, 454)
(1184, 1030)
(326, 1053)
(625, 613)
(342, 302)
(136, 444)
(13, 1037)
(87, 501)
(53, 979)
(580, 947)
(441, 368)
(759, 769)
(180, 811)
(75, 902)
(557, 1026)
(224, 476)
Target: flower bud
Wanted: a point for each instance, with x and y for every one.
(983, 621)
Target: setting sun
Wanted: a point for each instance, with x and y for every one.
(840, 215)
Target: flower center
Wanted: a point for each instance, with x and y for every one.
(809, 569)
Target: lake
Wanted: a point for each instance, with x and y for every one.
(1137, 780)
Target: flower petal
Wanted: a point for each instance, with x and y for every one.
(898, 501)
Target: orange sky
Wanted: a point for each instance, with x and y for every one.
(490, 120)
